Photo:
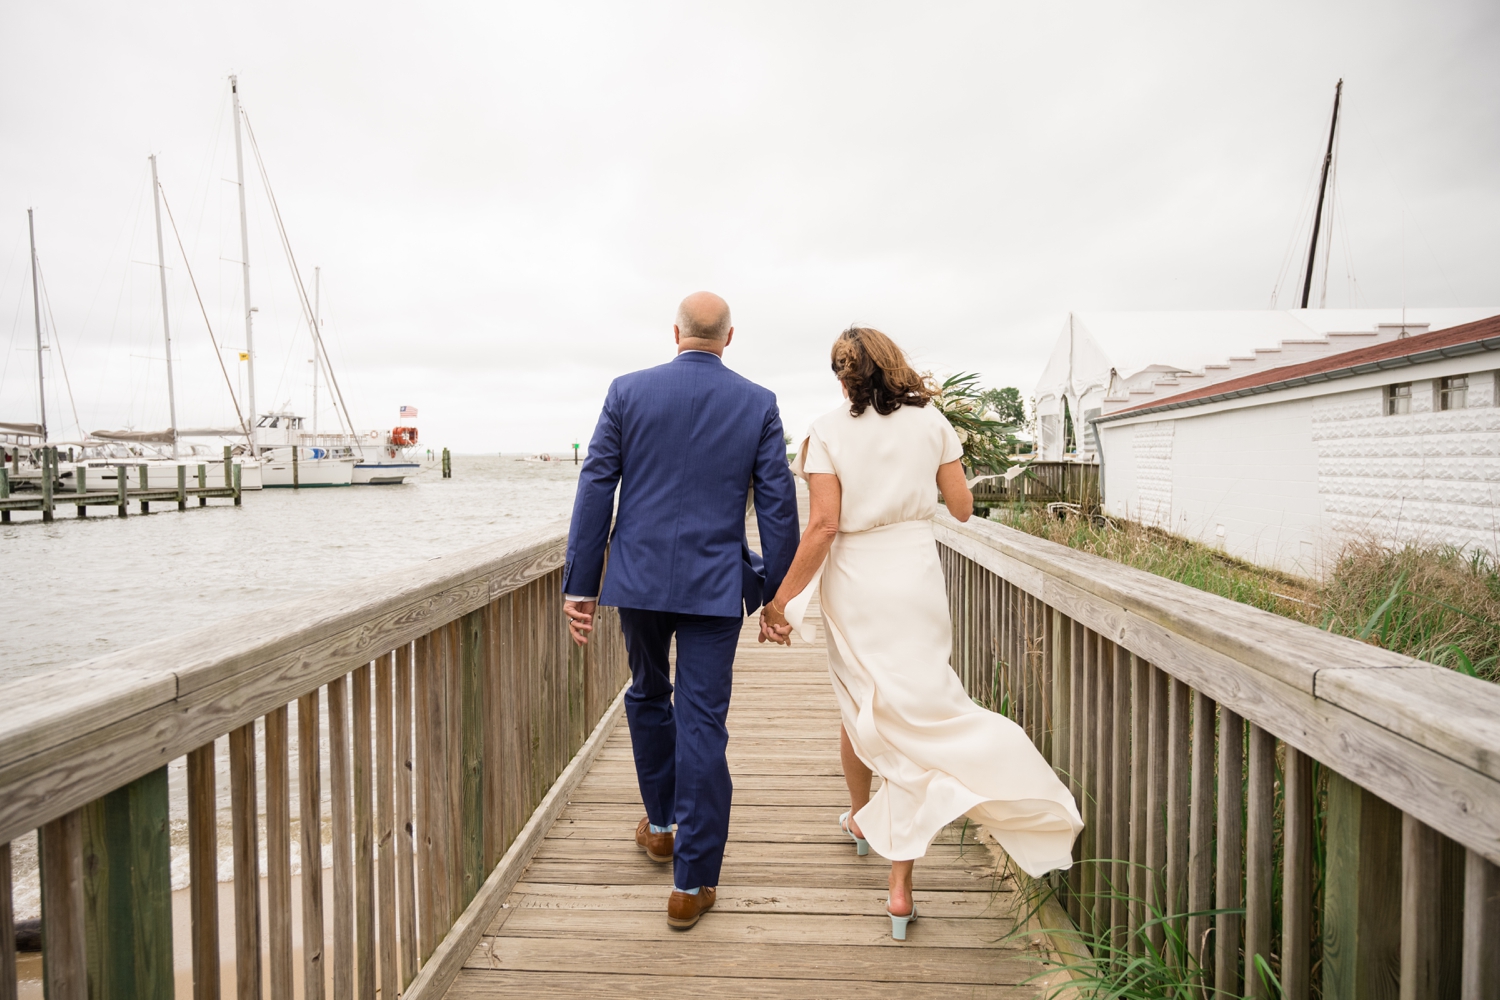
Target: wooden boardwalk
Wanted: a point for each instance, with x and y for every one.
(799, 913)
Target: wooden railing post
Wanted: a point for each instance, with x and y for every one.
(245, 819)
(405, 829)
(1297, 877)
(1200, 873)
(203, 871)
(385, 833)
(128, 891)
(279, 850)
(1481, 936)
(1362, 894)
(472, 677)
(64, 959)
(1259, 863)
(310, 811)
(1432, 886)
(1229, 853)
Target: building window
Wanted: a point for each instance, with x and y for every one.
(1398, 398)
(1453, 392)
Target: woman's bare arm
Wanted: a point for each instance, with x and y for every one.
(825, 500)
(950, 481)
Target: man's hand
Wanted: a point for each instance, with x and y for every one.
(580, 620)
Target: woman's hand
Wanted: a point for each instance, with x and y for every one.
(774, 627)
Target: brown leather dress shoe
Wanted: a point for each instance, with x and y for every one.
(684, 909)
(658, 845)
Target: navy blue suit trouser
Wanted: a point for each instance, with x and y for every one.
(679, 748)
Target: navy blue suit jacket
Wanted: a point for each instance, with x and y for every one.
(684, 442)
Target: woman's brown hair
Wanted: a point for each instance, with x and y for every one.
(876, 373)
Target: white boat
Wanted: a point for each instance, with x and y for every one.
(313, 467)
(392, 461)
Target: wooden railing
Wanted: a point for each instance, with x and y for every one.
(447, 705)
(1213, 747)
(1045, 482)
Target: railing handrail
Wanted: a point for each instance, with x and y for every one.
(1424, 738)
(72, 735)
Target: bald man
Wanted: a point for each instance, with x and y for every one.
(684, 443)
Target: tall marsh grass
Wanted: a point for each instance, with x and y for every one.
(1435, 603)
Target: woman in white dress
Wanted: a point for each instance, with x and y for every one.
(874, 468)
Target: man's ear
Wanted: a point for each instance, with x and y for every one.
(729, 337)
(676, 334)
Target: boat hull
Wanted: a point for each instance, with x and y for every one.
(384, 473)
(310, 473)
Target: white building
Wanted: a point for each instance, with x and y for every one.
(1391, 431)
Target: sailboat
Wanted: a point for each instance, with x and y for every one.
(277, 437)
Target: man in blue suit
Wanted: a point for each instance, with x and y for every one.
(685, 443)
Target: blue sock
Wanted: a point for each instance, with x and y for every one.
(661, 829)
(690, 892)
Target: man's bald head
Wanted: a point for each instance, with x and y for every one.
(703, 316)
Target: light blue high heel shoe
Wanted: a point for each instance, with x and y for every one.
(898, 924)
(860, 844)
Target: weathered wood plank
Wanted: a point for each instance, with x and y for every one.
(279, 851)
(203, 875)
(1229, 853)
(64, 955)
(1361, 896)
(1421, 913)
(605, 986)
(405, 830)
(1200, 871)
(1297, 877)
(471, 746)
(770, 961)
(310, 823)
(1259, 863)
(7, 919)
(1481, 945)
(385, 832)
(364, 840)
(244, 817)
(128, 891)
(341, 814)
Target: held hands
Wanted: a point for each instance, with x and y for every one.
(774, 627)
(580, 620)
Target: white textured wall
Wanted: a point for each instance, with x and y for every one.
(1427, 476)
(1285, 483)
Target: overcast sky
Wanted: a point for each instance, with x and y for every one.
(508, 200)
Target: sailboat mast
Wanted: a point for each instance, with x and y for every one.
(166, 327)
(317, 320)
(36, 311)
(239, 166)
(1312, 246)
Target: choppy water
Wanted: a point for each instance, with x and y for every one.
(73, 590)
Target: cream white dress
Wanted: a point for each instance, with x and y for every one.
(889, 636)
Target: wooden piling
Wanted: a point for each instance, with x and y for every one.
(145, 485)
(120, 488)
(182, 487)
(202, 483)
(49, 459)
(80, 485)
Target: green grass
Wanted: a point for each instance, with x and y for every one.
(1435, 603)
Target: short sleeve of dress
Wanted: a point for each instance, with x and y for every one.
(815, 456)
(953, 450)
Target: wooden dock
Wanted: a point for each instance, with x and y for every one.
(49, 496)
(799, 913)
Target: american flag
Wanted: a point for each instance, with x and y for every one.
(408, 411)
